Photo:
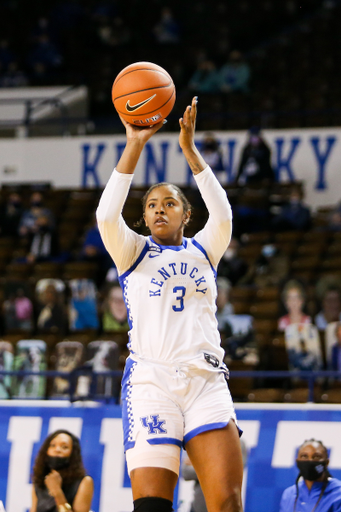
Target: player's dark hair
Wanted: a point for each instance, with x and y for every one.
(326, 473)
(74, 471)
(185, 203)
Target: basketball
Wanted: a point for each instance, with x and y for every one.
(143, 93)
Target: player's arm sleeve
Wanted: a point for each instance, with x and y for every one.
(215, 236)
(121, 242)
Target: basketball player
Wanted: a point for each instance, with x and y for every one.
(174, 390)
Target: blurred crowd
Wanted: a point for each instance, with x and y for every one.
(262, 63)
(279, 281)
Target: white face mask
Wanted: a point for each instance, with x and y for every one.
(229, 254)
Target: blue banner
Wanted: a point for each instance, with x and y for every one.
(272, 434)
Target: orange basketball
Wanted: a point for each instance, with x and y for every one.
(143, 93)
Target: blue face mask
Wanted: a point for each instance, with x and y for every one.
(268, 250)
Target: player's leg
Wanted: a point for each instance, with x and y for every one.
(156, 482)
(217, 459)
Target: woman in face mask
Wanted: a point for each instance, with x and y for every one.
(315, 490)
(59, 478)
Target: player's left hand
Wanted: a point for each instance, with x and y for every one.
(187, 125)
(53, 482)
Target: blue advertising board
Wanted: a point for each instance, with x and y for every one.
(272, 434)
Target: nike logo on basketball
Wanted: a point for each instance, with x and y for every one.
(132, 108)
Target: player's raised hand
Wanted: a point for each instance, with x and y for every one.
(138, 133)
(187, 125)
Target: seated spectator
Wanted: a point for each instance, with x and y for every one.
(240, 344)
(51, 309)
(231, 265)
(114, 316)
(44, 59)
(212, 153)
(10, 215)
(334, 219)
(331, 308)
(224, 306)
(334, 362)
(255, 163)
(234, 76)
(293, 216)
(293, 297)
(303, 347)
(44, 244)
(205, 78)
(270, 269)
(13, 77)
(18, 310)
(93, 249)
(83, 305)
(167, 30)
(28, 221)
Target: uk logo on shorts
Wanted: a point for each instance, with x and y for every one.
(155, 426)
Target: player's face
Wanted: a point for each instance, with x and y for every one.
(60, 446)
(164, 215)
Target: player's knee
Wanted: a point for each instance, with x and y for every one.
(153, 504)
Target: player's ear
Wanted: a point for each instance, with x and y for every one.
(187, 217)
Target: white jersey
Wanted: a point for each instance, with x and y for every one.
(170, 291)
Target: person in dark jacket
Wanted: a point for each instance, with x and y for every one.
(255, 163)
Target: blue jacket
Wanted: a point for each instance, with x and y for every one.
(330, 501)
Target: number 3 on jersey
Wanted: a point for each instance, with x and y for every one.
(180, 293)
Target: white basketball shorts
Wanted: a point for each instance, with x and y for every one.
(166, 404)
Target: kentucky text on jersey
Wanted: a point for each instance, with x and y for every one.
(176, 269)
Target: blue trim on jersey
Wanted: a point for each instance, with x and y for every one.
(127, 415)
(171, 247)
(201, 249)
(165, 440)
(139, 259)
(203, 428)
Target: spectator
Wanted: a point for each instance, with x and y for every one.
(205, 78)
(335, 361)
(293, 297)
(270, 269)
(83, 305)
(44, 242)
(28, 221)
(10, 215)
(331, 308)
(167, 30)
(51, 311)
(114, 316)
(334, 219)
(13, 77)
(255, 164)
(94, 250)
(18, 310)
(231, 265)
(240, 343)
(314, 489)
(44, 59)
(303, 347)
(234, 76)
(224, 306)
(294, 216)
(211, 151)
(59, 478)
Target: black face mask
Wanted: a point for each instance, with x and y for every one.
(57, 463)
(311, 469)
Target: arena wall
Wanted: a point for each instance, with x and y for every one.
(309, 155)
(272, 434)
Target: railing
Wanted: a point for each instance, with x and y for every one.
(72, 377)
